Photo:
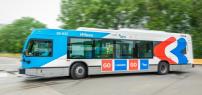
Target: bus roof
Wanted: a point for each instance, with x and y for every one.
(58, 32)
(127, 30)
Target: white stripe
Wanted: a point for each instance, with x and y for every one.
(59, 62)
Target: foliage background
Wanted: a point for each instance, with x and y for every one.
(13, 35)
(179, 16)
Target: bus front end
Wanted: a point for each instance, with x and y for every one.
(41, 56)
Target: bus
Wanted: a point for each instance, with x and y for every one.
(91, 51)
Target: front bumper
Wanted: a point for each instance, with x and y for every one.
(45, 72)
(21, 71)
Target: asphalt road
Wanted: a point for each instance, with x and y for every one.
(175, 83)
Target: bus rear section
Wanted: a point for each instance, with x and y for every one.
(78, 53)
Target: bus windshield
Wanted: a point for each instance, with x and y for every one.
(39, 48)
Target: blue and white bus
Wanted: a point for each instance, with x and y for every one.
(91, 51)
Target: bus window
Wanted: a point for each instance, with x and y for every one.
(107, 50)
(144, 49)
(98, 48)
(39, 48)
(124, 49)
(80, 48)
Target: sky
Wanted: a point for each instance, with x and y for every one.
(46, 11)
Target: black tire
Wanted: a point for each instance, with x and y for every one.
(78, 71)
(163, 68)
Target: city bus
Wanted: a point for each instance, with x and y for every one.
(91, 51)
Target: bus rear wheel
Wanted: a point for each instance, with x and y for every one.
(78, 71)
(163, 68)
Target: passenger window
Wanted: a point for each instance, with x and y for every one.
(124, 49)
(144, 49)
(81, 48)
(98, 48)
(107, 50)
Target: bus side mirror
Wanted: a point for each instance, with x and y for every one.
(25, 52)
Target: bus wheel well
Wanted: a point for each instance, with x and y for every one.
(78, 62)
(163, 62)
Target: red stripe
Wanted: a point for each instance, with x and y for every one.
(159, 50)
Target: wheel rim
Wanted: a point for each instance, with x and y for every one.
(163, 68)
(80, 71)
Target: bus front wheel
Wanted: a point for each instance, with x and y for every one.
(78, 71)
(163, 68)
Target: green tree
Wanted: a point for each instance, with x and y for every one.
(13, 35)
(196, 22)
(102, 13)
(179, 16)
(169, 15)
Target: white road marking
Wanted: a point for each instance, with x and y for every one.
(4, 74)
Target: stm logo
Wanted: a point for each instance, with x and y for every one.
(178, 51)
